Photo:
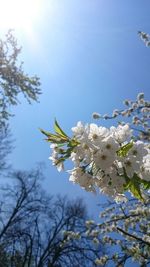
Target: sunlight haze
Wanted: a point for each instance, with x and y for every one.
(19, 14)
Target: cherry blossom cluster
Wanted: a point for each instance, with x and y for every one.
(111, 160)
(105, 159)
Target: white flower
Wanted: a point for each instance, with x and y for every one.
(94, 233)
(140, 95)
(145, 169)
(111, 183)
(55, 158)
(103, 159)
(60, 166)
(121, 198)
(89, 223)
(118, 181)
(131, 166)
(75, 173)
(146, 238)
(85, 180)
(98, 262)
(102, 261)
(122, 133)
(80, 131)
(81, 153)
(96, 134)
(115, 112)
(105, 185)
(138, 150)
(109, 144)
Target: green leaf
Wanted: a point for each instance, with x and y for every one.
(73, 143)
(59, 131)
(60, 145)
(145, 184)
(134, 185)
(123, 151)
(135, 190)
(54, 138)
(45, 132)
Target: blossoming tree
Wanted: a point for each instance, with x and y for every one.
(114, 160)
(13, 80)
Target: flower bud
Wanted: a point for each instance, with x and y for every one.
(96, 115)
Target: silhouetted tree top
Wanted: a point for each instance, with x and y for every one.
(38, 230)
(13, 80)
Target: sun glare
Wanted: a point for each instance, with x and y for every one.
(19, 13)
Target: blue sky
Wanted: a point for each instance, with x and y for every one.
(89, 58)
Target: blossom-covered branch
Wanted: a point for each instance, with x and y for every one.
(136, 114)
(109, 159)
(130, 223)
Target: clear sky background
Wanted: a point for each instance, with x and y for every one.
(89, 58)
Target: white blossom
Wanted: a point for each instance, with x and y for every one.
(138, 151)
(145, 169)
(121, 133)
(55, 157)
(131, 166)
(101, 261)
(104, 159)
(80, 131)
(85, 180)
(81, 153)
(140, 96)
(109, 144)
(120, 198)
(97, 134)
